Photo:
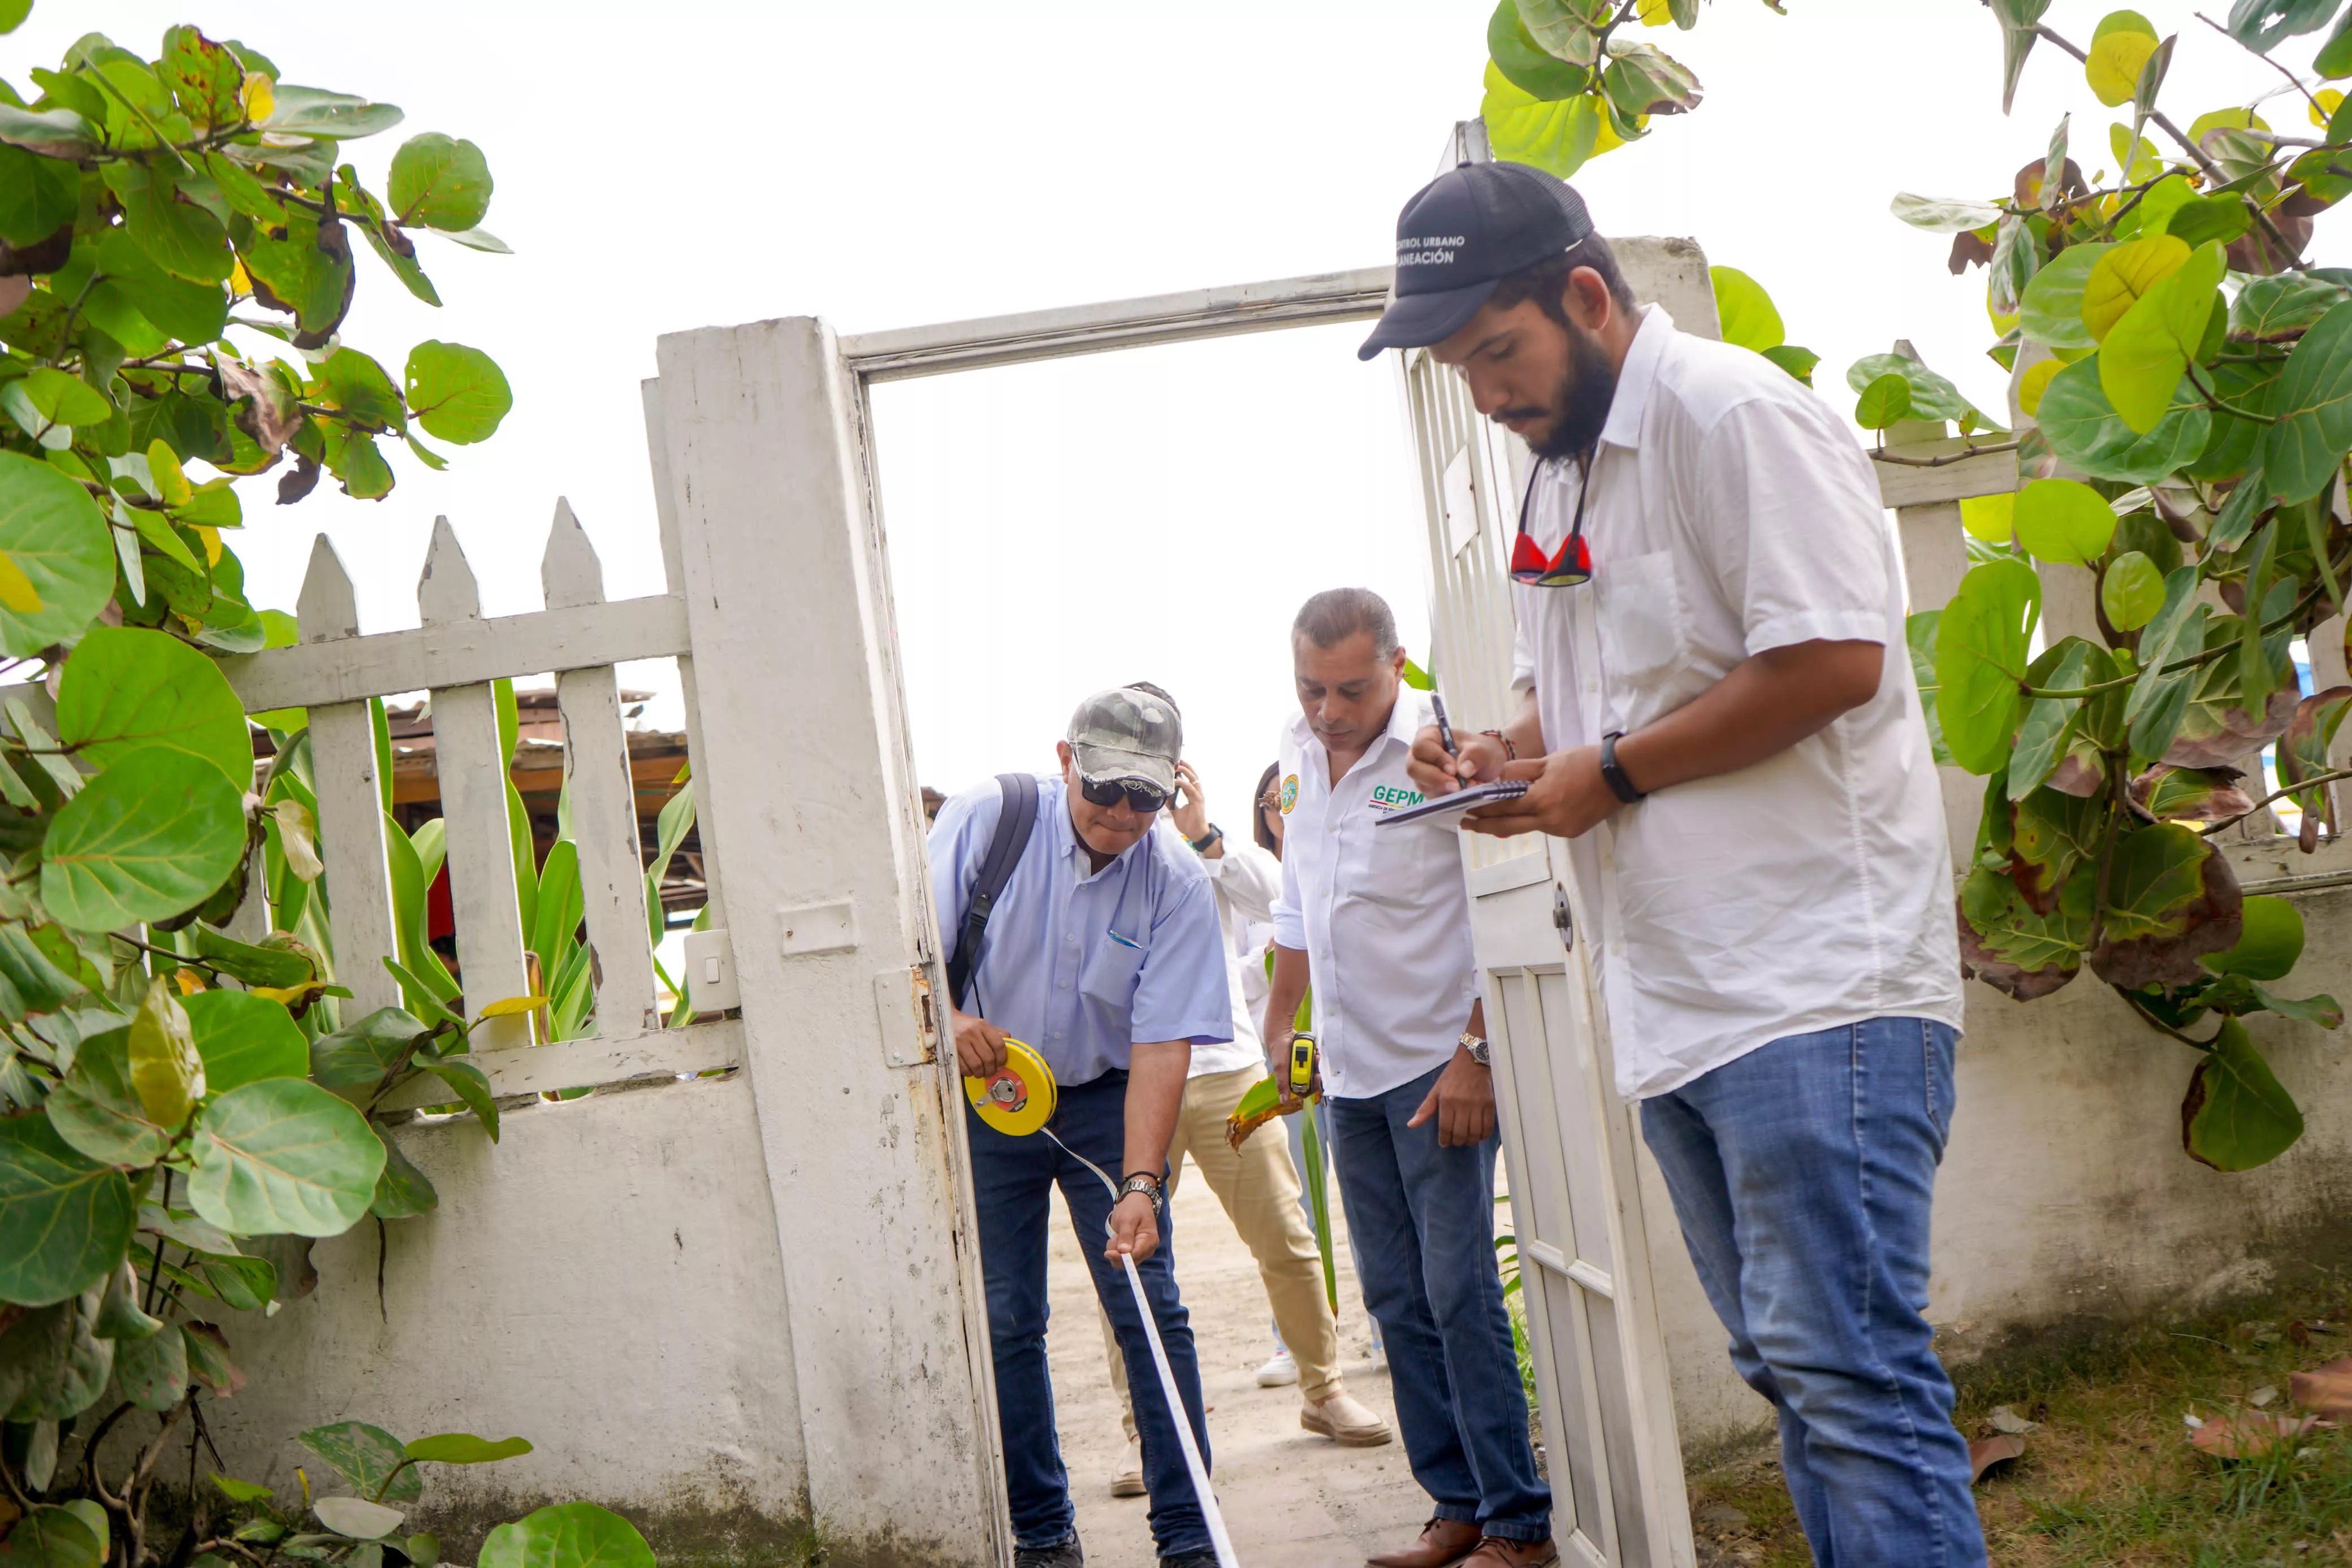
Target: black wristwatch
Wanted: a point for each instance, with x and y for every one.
(1614, 773)
(1144, 1182)
(1207, 841)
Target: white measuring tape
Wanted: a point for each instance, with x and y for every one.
(1019, 1099)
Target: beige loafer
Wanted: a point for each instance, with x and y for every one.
(1346, 1420)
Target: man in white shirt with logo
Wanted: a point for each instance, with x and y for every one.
(1379, 919)
(1718, 712)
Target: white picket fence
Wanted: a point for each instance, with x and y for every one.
(455, 656)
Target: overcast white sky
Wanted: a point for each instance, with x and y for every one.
(1157, 514)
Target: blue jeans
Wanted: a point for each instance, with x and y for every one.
(1011, 1181)
(1803, 1174)
(1423, 1220)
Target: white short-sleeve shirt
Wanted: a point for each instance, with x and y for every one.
(1730, 514)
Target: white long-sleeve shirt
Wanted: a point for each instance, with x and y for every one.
(1383, 913)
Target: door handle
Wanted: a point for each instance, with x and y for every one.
(1560, 918)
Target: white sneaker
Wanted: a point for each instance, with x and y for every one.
(1280, 1370)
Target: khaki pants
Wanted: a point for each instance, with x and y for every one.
(1259, 1189)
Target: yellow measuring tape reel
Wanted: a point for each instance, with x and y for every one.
(1018, 1097)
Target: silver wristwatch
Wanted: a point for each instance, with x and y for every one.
(1477, 1047)
(1144, 1183)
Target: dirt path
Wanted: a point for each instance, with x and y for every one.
(1289, 1497)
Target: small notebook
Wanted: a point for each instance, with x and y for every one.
(1460, 801)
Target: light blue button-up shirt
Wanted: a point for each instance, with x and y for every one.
(1081, 964)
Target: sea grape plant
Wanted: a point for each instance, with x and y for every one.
(182, 1108)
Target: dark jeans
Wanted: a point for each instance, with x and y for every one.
(1011, 1179)
(1423, 1221)
(1803, 1174)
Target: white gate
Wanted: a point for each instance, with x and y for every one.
(1570, 1144)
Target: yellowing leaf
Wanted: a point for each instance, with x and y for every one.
(172, 486)
(259, 98)
(2115, 64)
(16, 589)
(167, 1071)
(1657, 12)
(2330, 99)
(1993, 519)
(2124, 275)
(2033, 383)
(240, 282)
(211, 536)
(188, 981)
(513, 1007)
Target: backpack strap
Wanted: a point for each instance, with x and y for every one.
(1004, 846)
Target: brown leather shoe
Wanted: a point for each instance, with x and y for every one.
(1443, 1542)
(1493, 1551)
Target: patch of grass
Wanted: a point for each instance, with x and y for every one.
(2108, 1478)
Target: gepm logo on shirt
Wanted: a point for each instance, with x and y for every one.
(1393, 797)
(1289, 793)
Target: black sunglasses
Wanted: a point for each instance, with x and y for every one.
(1107, 792)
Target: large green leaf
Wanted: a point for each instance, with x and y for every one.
(2053, 306)
(1981, 660)
(2263, 24)
(355, 1060)
(52, 1538)
(439, 182)
(64, 1218)
(2124, 275)
(2131, 592)
(192, 312)
(1744, 311)
(567, 1535)
(367, 1456)
(2016, 950)
(204, 77)
(2063, 521)
(152, 1372)
(402, 1192)
(2312, 400)
(125, 687)
(456, 393)
(2236, 1114)
(147, 839)
(465, 1448)
(2289, 302)
(166, 1073)
(351, 381)
(472, 1087)
(2152, 879)
(2141, 362)
(313, 112)
(283, 1157)
(2084, 430)
(2041, 733)
(95, 1110)
(1932, 396)
(1557, 137)
(1525, 63)
(245, 1039)
(2269, 943)
(181, 237)
(37, 195)
(53, 533)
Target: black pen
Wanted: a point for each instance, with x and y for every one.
(1445, 728)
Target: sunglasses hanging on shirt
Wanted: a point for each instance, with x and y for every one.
(1107, 792)
(1572, 567)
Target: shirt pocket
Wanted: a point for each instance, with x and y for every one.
(1109, 975)
(1643, 633)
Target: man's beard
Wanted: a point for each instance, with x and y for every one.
(1580, 408)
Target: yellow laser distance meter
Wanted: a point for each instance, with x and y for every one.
(1302, 1064)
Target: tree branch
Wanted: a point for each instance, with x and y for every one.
(1882, 455)
(2282, 70)
(2316, 779)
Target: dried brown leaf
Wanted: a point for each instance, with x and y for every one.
(1988, 1454)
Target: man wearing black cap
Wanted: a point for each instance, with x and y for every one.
(1716, 713)
(1098, 949)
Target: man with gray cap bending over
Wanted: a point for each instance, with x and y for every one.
(1074, 928)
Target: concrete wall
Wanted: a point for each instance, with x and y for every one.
(2064, 1194)
(604, 1282)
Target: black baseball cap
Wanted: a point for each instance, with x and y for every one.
(1462, 233)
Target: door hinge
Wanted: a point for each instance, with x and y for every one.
(1560, 918)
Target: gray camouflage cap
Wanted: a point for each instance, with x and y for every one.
(1124, 733)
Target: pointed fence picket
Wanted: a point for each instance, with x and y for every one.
(457, 654)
